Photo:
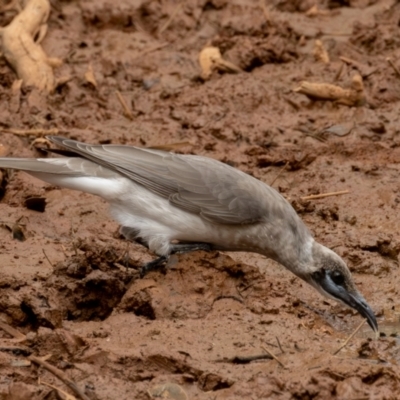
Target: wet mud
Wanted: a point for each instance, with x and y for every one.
(70, 283)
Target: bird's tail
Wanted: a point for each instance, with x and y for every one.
(73, 173)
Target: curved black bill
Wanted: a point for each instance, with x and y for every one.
(358, 303)
(347, 296)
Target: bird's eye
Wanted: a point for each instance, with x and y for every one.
(337, 277)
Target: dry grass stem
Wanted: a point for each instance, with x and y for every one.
(12, 331)
(60, 375)
(265, 10)
(322, 195)
(61, 393)
(47, 258)
(127, 111)
(391, 63)
(279, 344)
(363, 69)
(279, 173)
(350, 337)
(151, 49)
(170, 19)
(274, 357)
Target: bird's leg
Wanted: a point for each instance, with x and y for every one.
(187, 247)
(175, 248)
(153, 265)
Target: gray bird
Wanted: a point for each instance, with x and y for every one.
(174, 203)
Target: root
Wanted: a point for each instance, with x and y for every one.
(352, 97)
(19, 43)
(210, 59)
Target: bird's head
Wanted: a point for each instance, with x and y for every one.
(330, 275)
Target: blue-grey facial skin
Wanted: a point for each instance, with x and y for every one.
(334, 284)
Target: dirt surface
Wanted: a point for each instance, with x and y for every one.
(65, 280)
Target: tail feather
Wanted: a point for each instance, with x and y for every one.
(37, 165)
(72, 173)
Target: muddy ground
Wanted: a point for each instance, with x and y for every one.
(65, 282)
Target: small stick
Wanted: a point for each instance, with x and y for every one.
(273, 356)
(279, 173)
(389, 60)
(65, 395)
(34, 132)
(265, 11)
(364, 70)
(279, 344)
(60, 375)
(322, 195)
(12, 331)
(350, 337)
(154, 48)
(170, 19)
(47, 258)
(336, 33)
(339, 72)
(127, 112)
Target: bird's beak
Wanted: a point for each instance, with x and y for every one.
(358, 303)
(351, 298)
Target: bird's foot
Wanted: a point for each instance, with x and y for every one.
(175, 248)
(187, 247)
(152, 265)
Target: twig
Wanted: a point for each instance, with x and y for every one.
(12, 331)
(65, 395)
(336, 33)
(47, 258)
(60, 375)
(279, 344)
(339, 72)
(389, 60)
(73, 238)
(170, 19)
(154, 48)
(265, 11)
(273, 356)
(127, 112)
(350, 337)
(33, 132)
(364, 70)
(322, 195)
(279, 173)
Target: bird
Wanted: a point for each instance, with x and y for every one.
(176, 203)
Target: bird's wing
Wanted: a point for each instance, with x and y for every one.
(216, 191)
